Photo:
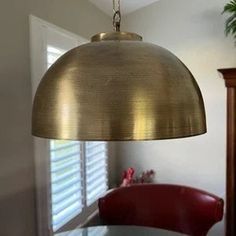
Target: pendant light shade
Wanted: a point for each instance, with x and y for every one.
(118, 88)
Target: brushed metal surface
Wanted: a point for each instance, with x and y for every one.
(116, 36)
(118, 90)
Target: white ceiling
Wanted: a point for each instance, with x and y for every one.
(127, 6)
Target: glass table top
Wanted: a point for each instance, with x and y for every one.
(119, 230)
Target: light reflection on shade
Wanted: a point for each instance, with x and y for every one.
(66, 114)
(142, 110)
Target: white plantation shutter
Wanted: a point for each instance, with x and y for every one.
(96, 170)
(66, 182)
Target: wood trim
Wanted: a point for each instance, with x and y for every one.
(229, 75)
(230, 82)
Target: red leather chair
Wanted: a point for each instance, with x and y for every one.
(178, 208)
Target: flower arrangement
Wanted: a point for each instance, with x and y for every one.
(128, 177)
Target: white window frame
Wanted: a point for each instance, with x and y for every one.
(42, 146)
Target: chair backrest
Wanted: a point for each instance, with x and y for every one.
(178, 208)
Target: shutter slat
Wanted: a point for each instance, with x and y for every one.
(59, 207)
(95, 160)
(64, 146)
(59, 158)
(92, 144)
(61, 143)
(88, 147)
(56, 198)
(96, 168)
(96, 155)
(56, 168)
(96, 152)
(65, 176)
(96, 175)
(97, 183)
(66, 215)
(66, 184)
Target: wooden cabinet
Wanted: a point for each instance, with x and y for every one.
(230, 82)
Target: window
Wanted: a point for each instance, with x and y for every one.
(78, 178)
(70, 175)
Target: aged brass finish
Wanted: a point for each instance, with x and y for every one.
(118, 88)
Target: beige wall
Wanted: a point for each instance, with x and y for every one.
(194, 31)
(17, 194)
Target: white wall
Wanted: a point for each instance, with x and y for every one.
(194, 31)
(17, 179)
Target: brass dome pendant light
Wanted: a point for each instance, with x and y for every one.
(118, 88)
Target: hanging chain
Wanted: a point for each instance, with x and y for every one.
(117, 15)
